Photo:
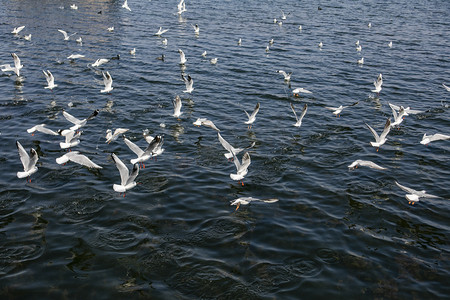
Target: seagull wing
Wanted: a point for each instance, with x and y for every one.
(255, 111)
(33, 159)
(374, 133)
(133, 147)
(406, 189)
(84, 160)
(245, 161)
(71, 118)
(65, 33)
(24, 157)
(107, 80)
(305, 109)
(446, 87)
(225, 144)
(387, 128)
(293, 110)
(123, 170)
(45, 130)
(439, 136)
(134, 173)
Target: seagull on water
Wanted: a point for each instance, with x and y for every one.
(17, 65)
(360, 61)
(287, 76)
(358, 48)
(381, 139)
(297, 91)
(426, 139)
(246, 200)
(205, 122)
(196, 29)
(298, 123)
(125, 5)
(27, 37)
(126, 178)
(78, 158)
(100, 62)
(414, 196)
(107, 81)
(252, 117)
(72, 139)
(74, 56)
(204, 54)
(110, 29)
(183, 59)
(41, 128)
(16, 30)
(28, 162)
(111, 137)
(378, 83)
(79, 40)
(66, 36)
(390, 44)
(406, 110)
(74, 6)
(213, 61)
(77, 122)
(177, 107)
(364, 163)
(337, 110)
(189, 82)
(161, 31)
(50, 80)
(241, 169)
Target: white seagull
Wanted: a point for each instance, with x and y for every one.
(17, 65)
(77, 122)
(161, 31)
(287, 76)
(435, 137)
(360, 61)
(100, 62)
(213, 61)
(16, 30)
(107, 81)
(414, 196)
(390, 44)
(74, 56)
(189, 82)
(66, 36)
(241, 169)
(297, 91)
(177, 107)
(378, 84)
(111, 137)
(398, 117)
(28, 162)
(72, 139)
(41, 128)
(380, 140)
(181, 7)
(406, 110)
(125, 5)
(110, 29)
(126, 179)
(298, 123)
(252, 117)
(78, 158)
(205, 122)
(79, 40)
(446, 87)
(50, 80)
(183, 59)
(358, 48)
(337, 110)
(133, 51)
(229, 148)
(246, 200)
(73, 6)
(196, 29)
(144, 155)
(364, 163)
(27, 37)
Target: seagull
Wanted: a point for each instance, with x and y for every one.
(100, 62)
(287, 76)
(196, 29)
(213, 61)
(27, 37)
(28, 162)
(177, 107)
(299, 120)
(158, 148)
(358, 48)
(390, 44)
(183, 59)
(125, 5)
(369, 25)
(398, 118)
(16, 30)
(414, 196)
(74, 56)
(66, 36)
(73, 6)
(110, 29)
(380, 140)
(283, 16)
(77, 122)
(144, 155)
(446, 87)
(72, 139)
(162, 57)
(189, 82)
(164, 42)
(435, 137)
(337, 110)
(205, 122)
(300, 27)
(231, 149)
(360, 61)
(161, 31)
(107, 81)
(357, 43)
(111, 137)
(17, 65)
(297, 92)
(241, 169)
(79, 40)
(252, 117)
(41, 128)
(364, 163)
(275, 21)
(407, 110)
(133, 51)
(50, 80)
(181, 7)
(78, 158)
(267, 49)
(126, 179)
(246, 200)
(378, 84)
(320, 45)
(203, 54)
(239, 42)
(271, 42)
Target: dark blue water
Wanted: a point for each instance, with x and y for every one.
(333, 233)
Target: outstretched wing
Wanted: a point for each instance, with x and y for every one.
(134, 174)
(24, 157)
(133, 147)
(406, 189)
(374, 133)
(123, 170)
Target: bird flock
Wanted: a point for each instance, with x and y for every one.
(154, 145)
